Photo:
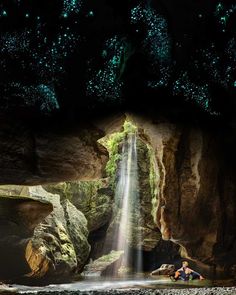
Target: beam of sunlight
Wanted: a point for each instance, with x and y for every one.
(128, 230)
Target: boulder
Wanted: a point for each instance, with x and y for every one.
(93, 198)
(44, 235)
(59, 245)
(19, 218)
(106, 265)
(5, 289)
(164, 269)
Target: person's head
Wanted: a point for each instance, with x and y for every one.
(185, 263)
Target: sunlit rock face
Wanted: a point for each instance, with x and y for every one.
(59, 242)
(43, 236)
(93, 198)
(196, 188)
(105, 265)
(19, 217)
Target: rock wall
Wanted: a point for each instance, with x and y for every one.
(141, 219)
(93, 198)
(187, 193)
(48, 244)
(61, 239)
(195, 200)
(19, 216)
(34, 157)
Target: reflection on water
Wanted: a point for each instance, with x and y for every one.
(137, 282)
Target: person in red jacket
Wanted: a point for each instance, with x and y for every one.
(185, 273)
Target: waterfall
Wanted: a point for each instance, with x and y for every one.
(128, 230)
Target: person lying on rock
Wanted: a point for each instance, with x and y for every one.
(186, 274)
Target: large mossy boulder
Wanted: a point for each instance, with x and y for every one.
(93, 198)
(60, 241)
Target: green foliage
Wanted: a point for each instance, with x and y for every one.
(88, 187)
(112, 143)
(67, 190)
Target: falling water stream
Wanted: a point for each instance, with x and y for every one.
(127, 232)
(127, 235)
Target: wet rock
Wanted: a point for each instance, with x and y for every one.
(105, 265)
(5, 289)
(144, 235)
(164, 269)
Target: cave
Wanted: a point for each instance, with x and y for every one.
(162, 192)
(117, 145)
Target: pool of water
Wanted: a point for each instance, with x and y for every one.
(137, 282)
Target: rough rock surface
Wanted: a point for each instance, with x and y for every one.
(164, 269)
(41, 243)
(19, 216)
(142, 213)
(93, 198)
(59, 245)
(195, 201)
(52, 156)
(106, 265)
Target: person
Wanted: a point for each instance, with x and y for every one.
(186, 274)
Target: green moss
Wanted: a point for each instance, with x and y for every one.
(112, 144)
(67, 190)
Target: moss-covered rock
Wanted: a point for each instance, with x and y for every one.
(145, 234)
(61, 238)
(106, 265)
(43, 243)
(112, 143)
(147, 192)
(93, 198)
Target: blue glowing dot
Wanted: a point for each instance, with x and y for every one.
(27, 15)
(104, 53)
(65, 15)
(4, 13)
(91, 13)
(234, 83)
